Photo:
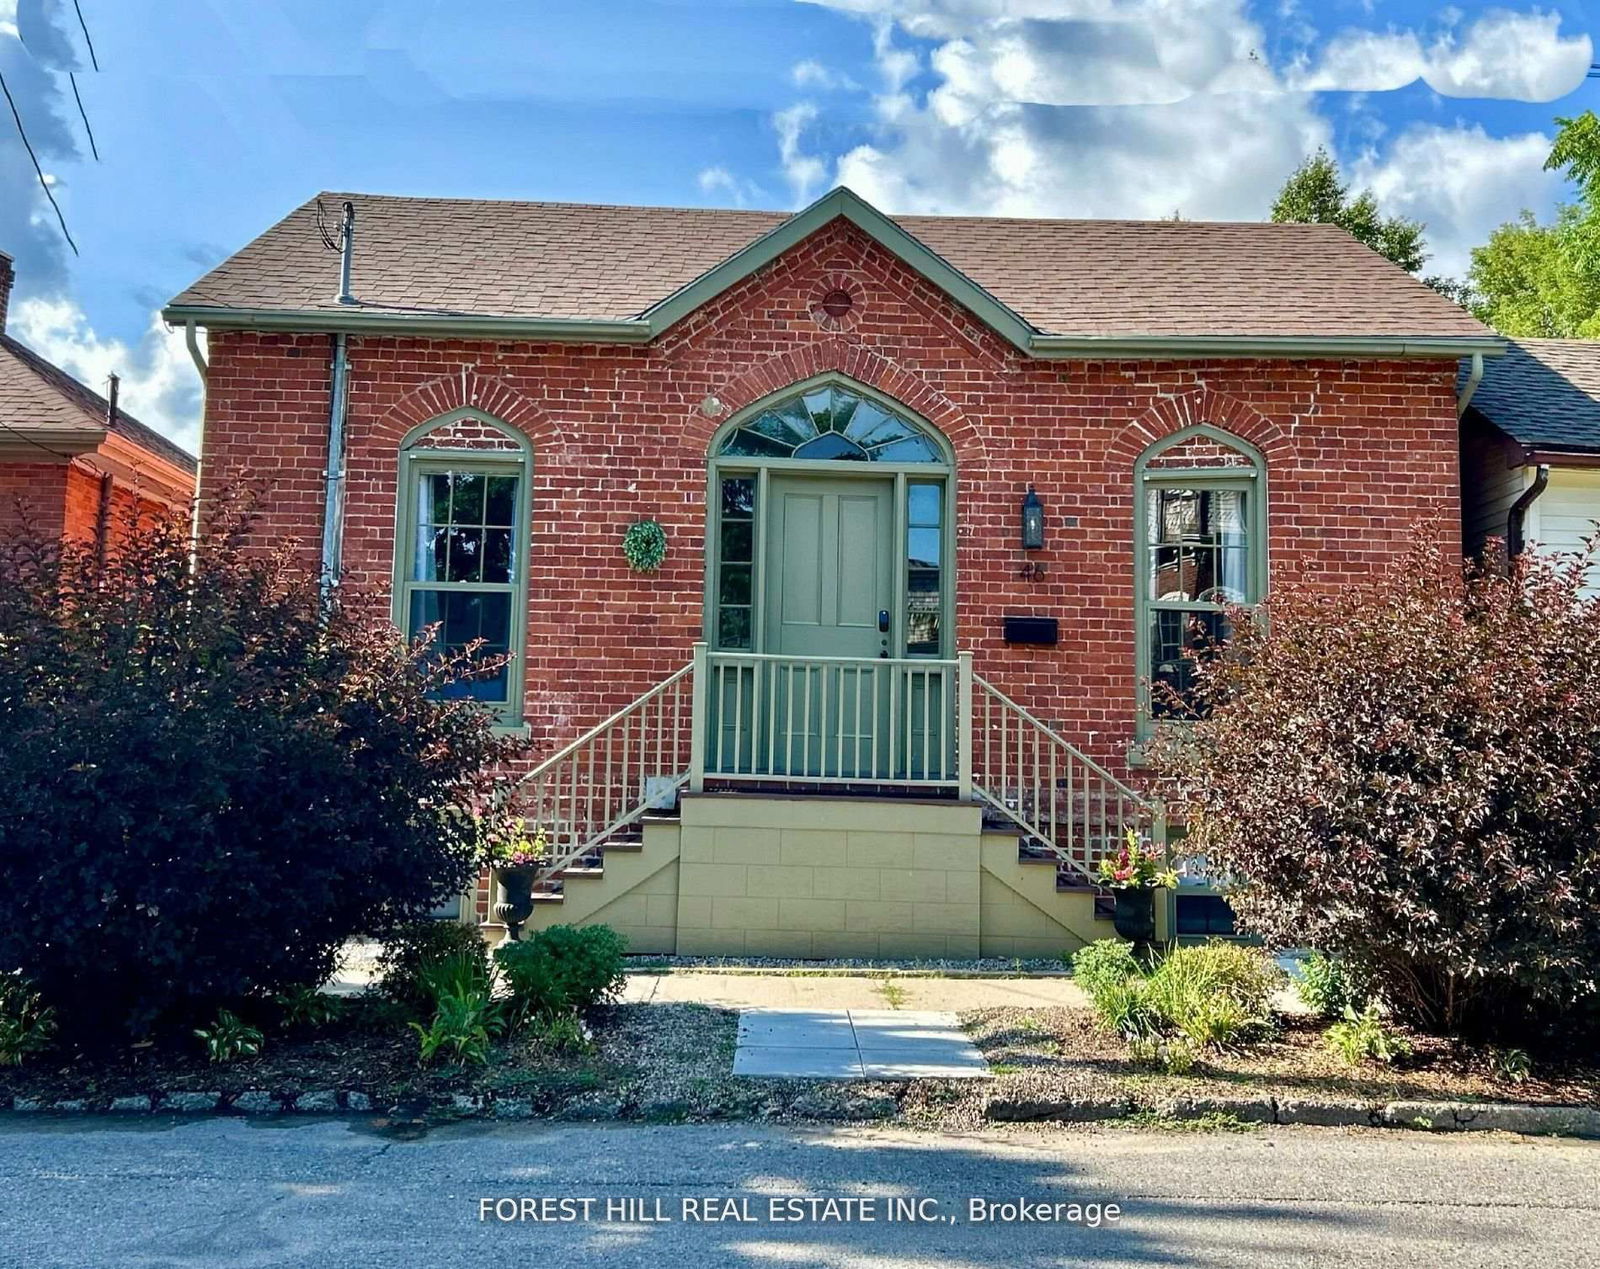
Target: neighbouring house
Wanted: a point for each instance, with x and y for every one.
(71, 462)
(1530, 449)
(939, 496)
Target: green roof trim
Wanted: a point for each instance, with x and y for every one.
(842, 203)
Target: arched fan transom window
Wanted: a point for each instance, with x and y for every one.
(831, 423)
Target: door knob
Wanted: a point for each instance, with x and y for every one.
(883, 621)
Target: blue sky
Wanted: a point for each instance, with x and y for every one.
(214, 117)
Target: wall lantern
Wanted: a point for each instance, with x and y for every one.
(1032, 522)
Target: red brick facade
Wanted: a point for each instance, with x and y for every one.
(1356, 453)
(64, 499)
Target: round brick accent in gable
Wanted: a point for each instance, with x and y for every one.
(836, 302)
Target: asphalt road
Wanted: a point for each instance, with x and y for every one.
(331, 1194)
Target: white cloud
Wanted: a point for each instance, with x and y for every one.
(1140, 108)
(804, 171)
(159, 384)
(1461, 183)
(1076, 108)
(719, 180)
(1520, 56)
(813, 74)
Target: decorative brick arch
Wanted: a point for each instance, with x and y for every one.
(838, 356)
(469, 390)
(1172, 414)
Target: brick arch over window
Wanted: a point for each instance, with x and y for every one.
(446, 399)
(1184, 410)
(851, 361)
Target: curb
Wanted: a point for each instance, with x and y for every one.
(1529, 1120)
(1534, 1121)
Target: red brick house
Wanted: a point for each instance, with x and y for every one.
(71, 462)
(938, 494)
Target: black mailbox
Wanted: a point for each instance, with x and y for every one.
(1042, 630)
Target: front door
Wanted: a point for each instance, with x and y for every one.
(818, 712)
(830, 572)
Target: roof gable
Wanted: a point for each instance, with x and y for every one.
(844, 204)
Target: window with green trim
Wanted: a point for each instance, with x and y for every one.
(467, 567)
(1201, 553)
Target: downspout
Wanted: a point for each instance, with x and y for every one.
(102, 516)
(1474, 378)
(1517, 516)
(202, 369)
(333, 474)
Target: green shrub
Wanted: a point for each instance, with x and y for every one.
(1326, 986)
(462, 1026)
(1104, 963)
(1363, 1035)
(1511, 1064)
(1216, 993)
(1212, 995)
(229, 1038)
(562, 969)
(27, 1024)
(305, 1006)
(416, 946)
(1124, 1008)
(561, 1033)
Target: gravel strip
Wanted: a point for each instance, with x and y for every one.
(984, 967)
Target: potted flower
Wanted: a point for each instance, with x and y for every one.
(1134, 874)
(513, 858)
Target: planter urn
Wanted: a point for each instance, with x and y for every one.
(1135, 917)
(516, 898)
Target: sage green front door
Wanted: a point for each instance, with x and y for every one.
(830, 571)
(829, 594)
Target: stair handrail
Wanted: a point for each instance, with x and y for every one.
(597, 808)
(1045, 827)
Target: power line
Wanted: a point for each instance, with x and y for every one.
(93, 60)
(84, 115)
(43, 183)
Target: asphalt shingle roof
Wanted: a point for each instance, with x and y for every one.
(36, 395)
(472, 257)
(1544, 393)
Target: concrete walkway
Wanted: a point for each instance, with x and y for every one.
(855, 1044)
(831, 991)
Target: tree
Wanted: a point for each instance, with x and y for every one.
(212, 781)
(1316, 194)
(1531, 280)
(1402, 773)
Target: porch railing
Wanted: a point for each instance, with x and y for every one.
(609, 776)
(827, 720)
(746, 717)
(1060, 797)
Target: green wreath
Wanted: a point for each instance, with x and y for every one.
(645, 545)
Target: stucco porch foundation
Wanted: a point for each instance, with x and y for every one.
(828, 877)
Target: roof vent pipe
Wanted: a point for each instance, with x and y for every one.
(347, 247)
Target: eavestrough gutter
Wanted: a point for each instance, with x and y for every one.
(642, 330)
